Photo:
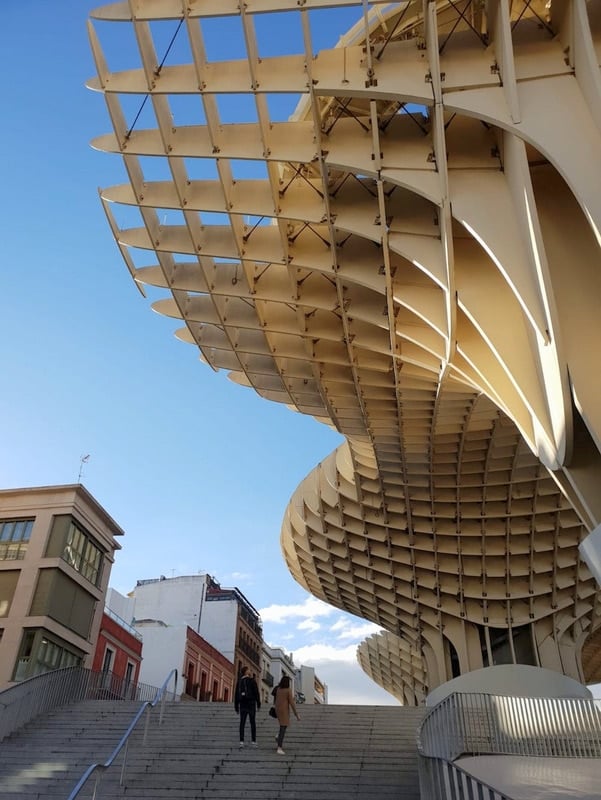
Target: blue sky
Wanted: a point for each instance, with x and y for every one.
(196, 470)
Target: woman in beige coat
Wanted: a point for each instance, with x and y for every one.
(283, 700)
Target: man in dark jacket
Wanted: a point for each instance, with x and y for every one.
(246, 702)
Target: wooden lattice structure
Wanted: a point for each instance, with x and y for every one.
(413, 257)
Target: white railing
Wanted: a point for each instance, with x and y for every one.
(129, 628)
(443, 780)
(24, 701)
(97, 770)
(478, 724)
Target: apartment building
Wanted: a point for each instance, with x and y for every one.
(308, 686)
(57, 547)
(233, 625)
(276, 664)
(192, 624)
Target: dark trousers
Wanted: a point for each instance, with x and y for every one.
(281, 735)
(248, 711)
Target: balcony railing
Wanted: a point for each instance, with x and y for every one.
(129, 628)
(249, 651)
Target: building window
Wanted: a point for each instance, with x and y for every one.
(503, 644)
(453, 659)
(8, 585)
(82, 554)
(107, 662)
(40, 653)
(128, 686)
(14, 537)
(60, 597)
(500, 647)
(107, 666)
(523, 645)
(190, 688)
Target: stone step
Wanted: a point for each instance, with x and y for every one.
(334, 752)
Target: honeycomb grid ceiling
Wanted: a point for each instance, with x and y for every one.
(397, 236)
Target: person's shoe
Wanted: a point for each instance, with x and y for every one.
(241, 744)
(253, 744)
(280, 752)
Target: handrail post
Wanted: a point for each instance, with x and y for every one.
(146, 724)
(123, 766)
(99, 769)
(174, 673)
(162, 709)
(96, 785)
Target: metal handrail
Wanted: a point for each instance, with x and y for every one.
(27, 699)
(445, 780)
(478, 723)
(99, 768)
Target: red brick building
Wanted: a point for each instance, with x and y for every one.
(118, 649)
(209, 674)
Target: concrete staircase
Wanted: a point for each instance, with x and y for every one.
(333, 753)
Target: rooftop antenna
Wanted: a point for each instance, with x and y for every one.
(83, 460)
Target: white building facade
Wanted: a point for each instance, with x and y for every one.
(308, 686)
(276, 664)
(176, 601)
(162, 609)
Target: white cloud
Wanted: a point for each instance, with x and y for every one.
(309, 625)
(313, 653)
(358, 631)
(335, 659)
(240, 576)
(311, 608)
